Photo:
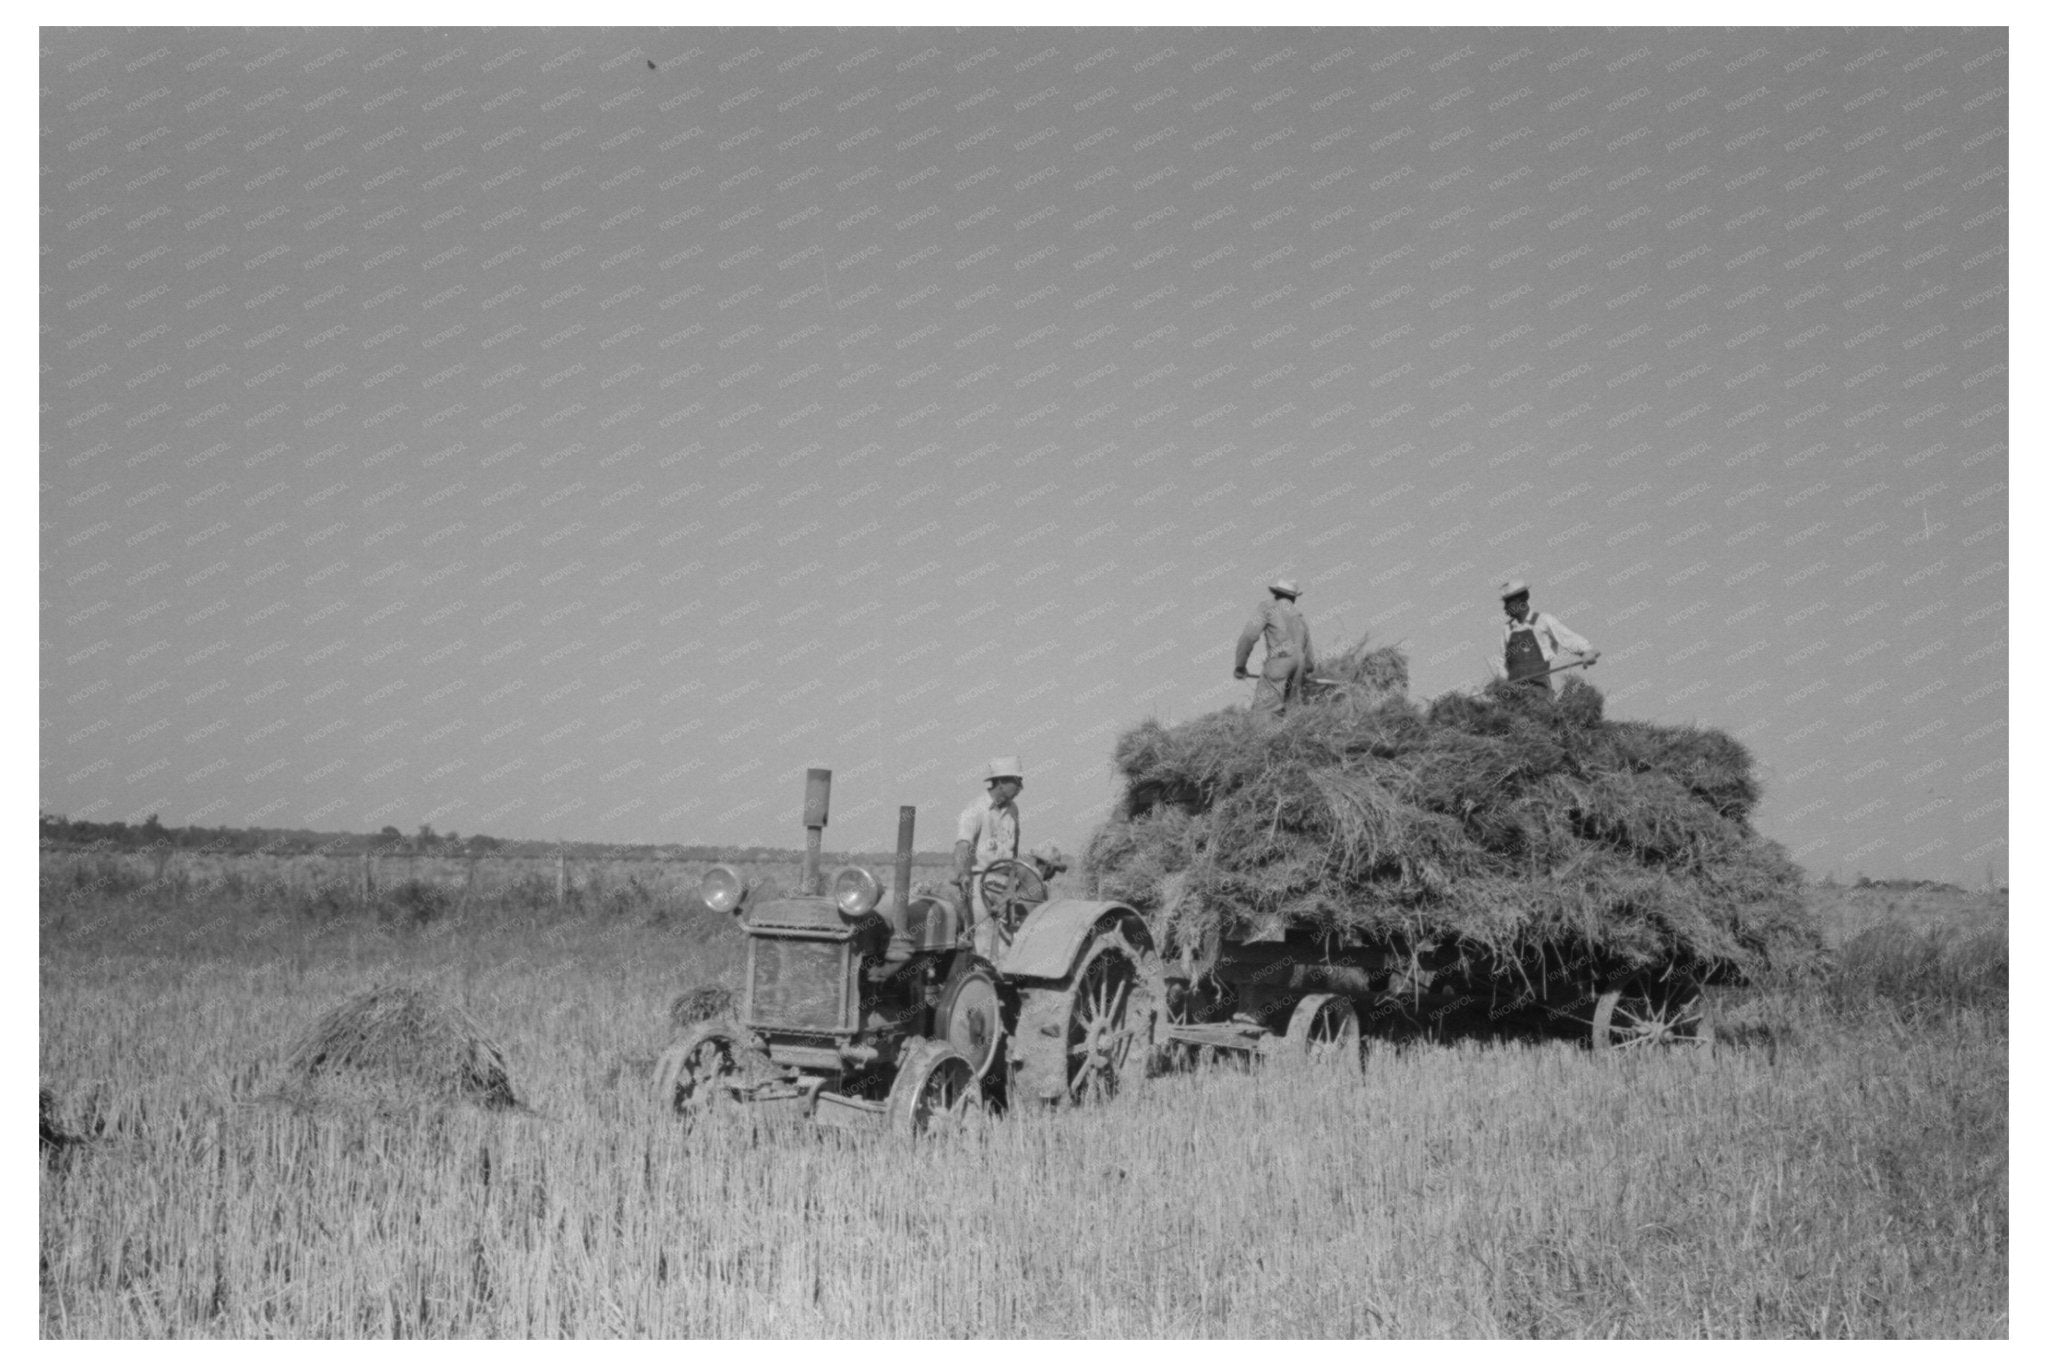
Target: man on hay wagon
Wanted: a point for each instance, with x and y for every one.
(1290, 658)
(1531, 641)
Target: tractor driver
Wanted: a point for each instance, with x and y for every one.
(990, 830)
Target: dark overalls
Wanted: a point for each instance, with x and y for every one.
(1526, 664)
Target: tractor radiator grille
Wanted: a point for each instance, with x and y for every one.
(798, 984)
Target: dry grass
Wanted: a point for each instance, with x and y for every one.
(699, 1004)
(51, 1136)
(1843, 912)
(1847, 1180)
(405, 891)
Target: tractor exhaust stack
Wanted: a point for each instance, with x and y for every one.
(906, 841)
(817, 808)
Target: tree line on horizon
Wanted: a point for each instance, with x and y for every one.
(59, 831)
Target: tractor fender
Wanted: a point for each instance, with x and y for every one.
(1051, 937)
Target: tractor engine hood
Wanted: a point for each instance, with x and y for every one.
(803, 915)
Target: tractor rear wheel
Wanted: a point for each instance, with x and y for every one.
(1082, 1037)
(935, 1091)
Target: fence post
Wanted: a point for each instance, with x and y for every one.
(365, 881)
(561, 883)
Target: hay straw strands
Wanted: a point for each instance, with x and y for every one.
(699, 1004)
(1511, 822)
(1364, 670)
(51, 1135)
(406, 1036)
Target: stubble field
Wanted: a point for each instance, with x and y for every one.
(1837, 1168)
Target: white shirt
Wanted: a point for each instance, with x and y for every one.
(993, 831)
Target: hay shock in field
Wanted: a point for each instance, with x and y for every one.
(52, 1137)
(407, 1036)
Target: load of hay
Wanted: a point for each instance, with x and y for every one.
(406, 1038)
(1511, 826)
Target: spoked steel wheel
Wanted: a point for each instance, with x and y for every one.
(1644, 1012)
(1324, 1031)
(697, 1072)
(1079, 1040)
(936, 1090)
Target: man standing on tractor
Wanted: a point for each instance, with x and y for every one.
(1531, 641)
(1290, 658)
(991, 829)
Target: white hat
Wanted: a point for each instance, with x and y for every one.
(1513, 588)
(1287, 586)
(1008, 766)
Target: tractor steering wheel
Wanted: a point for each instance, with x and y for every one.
(1011, 889)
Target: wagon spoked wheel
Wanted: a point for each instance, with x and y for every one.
(697, 1072)
(936, 1090)
(1011, 889)
(1644, 1012)
(1324, 1031)
(1078, 1041)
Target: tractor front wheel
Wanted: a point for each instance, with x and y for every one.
(697, 1073)
(935, 1091)
(970, 1015)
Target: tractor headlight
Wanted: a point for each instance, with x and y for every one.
(856, 891)
(722, 888)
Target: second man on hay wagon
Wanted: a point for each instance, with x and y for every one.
(1290, 656)
(1532, 641)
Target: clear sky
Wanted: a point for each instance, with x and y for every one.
(496, 430)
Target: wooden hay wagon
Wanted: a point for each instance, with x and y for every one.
(1498, 862)
(1292, 992)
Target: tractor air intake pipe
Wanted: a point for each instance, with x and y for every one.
(817, 806)
(906, 840)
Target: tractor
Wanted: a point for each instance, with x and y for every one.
(864, 1010)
